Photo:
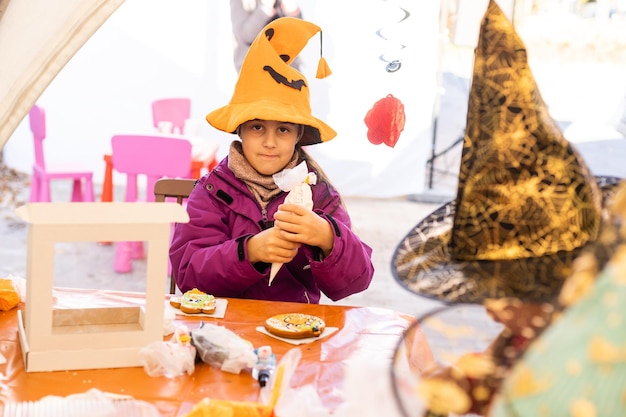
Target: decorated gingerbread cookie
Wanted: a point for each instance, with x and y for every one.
(295, 325)
(194, 302)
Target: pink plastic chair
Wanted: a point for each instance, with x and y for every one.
(82, 177)
(152, 158)
(175, 110)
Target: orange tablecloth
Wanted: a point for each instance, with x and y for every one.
(366, 330)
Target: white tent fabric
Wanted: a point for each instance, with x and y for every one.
(37, 39)
(3, 7)
(147, 49)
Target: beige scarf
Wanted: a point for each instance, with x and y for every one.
(262, 187)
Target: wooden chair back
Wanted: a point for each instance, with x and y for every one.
(178, 188)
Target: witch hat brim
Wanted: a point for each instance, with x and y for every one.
(526, 203)
(423, 264)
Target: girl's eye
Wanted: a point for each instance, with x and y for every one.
(288, 128)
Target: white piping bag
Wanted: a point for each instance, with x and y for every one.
(297, 182)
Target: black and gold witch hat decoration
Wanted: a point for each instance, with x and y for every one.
(526, 202)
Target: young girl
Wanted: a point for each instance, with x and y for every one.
(239, 224)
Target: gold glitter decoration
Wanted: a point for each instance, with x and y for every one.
(526, 202)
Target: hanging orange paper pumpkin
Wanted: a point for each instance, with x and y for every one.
(385, 121)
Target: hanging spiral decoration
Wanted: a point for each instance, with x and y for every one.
(395, 63)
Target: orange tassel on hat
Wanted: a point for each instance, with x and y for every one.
(323, 70)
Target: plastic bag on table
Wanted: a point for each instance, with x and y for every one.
(220, 347)
(286, 401)
(92, 403)
(171, 358)
(277, 399)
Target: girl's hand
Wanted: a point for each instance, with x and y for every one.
(271, 247)
(300, 225)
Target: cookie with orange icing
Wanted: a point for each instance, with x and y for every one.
(295, 325)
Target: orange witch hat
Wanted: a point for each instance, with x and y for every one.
(269, 88)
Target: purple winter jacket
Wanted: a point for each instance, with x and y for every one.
(209, 252)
